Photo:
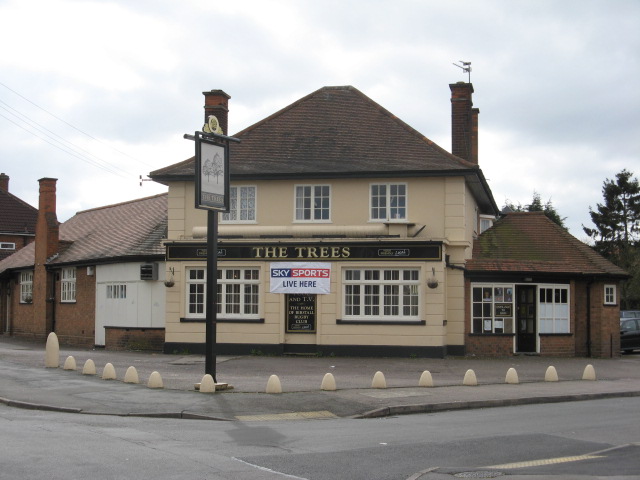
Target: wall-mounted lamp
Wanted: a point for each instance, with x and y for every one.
(170, 283)
(432, 281)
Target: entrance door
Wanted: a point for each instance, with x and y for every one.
(526, 318)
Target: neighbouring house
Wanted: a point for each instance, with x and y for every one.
(17, 229)
(351, 233)
(17, 221)
(96, 279)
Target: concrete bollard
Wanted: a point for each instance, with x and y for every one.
(378, 380)
(52, 352)
(512, 377)
(426, 380)
(89, 368)
(70, 363)
(589, 373)
(207, 385)
(109, 373)
(273, 385)
(328, 382)
(551, 375)
(131, 376)
(470, 379)
(155, 380)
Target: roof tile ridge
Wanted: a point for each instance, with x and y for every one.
(126, 202)
(171, 167)
(12, 196)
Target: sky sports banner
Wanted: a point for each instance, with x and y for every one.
(300, 277)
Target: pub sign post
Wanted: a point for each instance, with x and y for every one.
(212, 194)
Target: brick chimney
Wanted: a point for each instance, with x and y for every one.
(464, 122)
(216, 102)
(46, 245)
(4, 182)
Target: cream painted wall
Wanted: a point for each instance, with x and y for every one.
(444, 205)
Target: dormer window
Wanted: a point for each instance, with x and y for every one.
(486, 222)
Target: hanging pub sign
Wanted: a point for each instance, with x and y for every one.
(212, 173)
(300, 277)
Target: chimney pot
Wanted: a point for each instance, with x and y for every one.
(4, 182)
(216, 102)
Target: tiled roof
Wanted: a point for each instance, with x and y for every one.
(529, 242)
(16, 216)
(332, 130)
(335, 132)
(131, 229)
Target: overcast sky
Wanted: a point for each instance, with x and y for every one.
(96, 93)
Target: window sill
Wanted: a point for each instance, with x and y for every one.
(380, 322)
(223, 320)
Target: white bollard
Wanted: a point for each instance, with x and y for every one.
(512, 377)
(70, 363)
(109, 373)
(589, 373)
(155, 380)
(52, 352)
(551, 375)
(470, 379)
(426, 380)
(328, 382)
(378, 380)
(273, 385)
(89, 368)
(207, 385)
(131, 376)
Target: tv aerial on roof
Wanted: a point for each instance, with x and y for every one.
(466, 67)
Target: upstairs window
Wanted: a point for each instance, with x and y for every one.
(313, 203)
(68, 285)
(485, 223)
(242, 205)
(388, 201)
(117, 291)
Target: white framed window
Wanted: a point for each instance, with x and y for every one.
(26, 287)
(492, 308)
(196, 291)
(388, 201)
(7, 246)
(312, 203)
(381, 294)
(117, 291)
(609, 294)
(68, 285)
(238, 294)
(486, 222)
(242, 205)
(553, 308)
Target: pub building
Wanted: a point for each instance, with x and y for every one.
(350, 233)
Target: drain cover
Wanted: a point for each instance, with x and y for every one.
(478, 474)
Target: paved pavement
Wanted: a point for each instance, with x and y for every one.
(26, 383)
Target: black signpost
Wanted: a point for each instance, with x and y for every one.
(212, 194)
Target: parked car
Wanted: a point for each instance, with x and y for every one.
(629, 334)
(629, 314)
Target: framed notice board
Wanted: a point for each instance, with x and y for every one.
(300, 313)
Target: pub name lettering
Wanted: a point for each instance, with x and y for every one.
(301, 252)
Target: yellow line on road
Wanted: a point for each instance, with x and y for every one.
(547, 461)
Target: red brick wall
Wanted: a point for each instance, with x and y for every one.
(558, 345)
(489, 345)
(127, 338)
(75, 322)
